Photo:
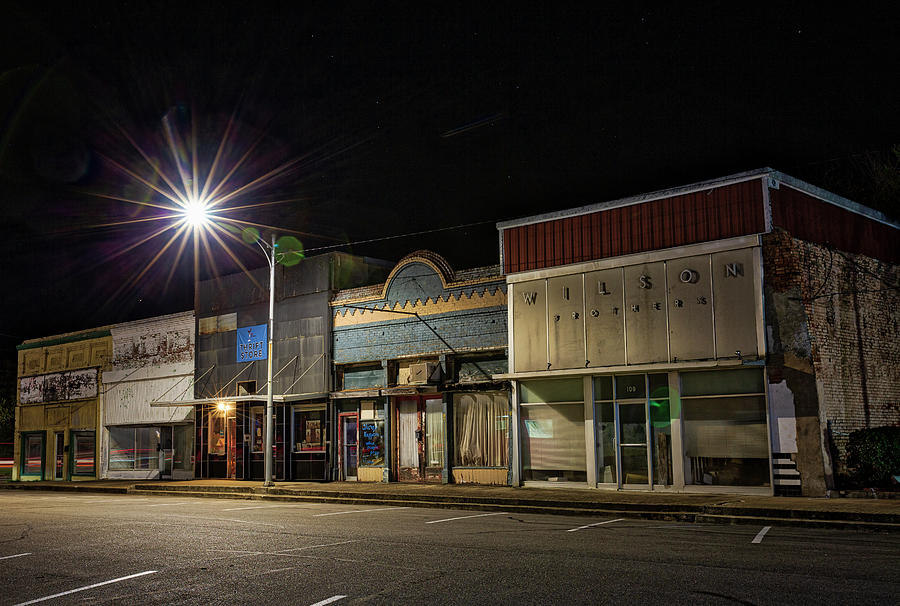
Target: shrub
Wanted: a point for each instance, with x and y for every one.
(873, 456)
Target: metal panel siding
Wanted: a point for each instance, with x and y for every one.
(724, 212)
(811, 219)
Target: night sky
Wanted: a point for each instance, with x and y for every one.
(387, 122)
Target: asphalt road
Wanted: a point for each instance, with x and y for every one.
(120, 549)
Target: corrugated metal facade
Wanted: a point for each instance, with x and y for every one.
(728, 211)
(808, 218)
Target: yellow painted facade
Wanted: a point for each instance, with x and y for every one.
(42, 414)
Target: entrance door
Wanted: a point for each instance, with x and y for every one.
(59, 455)
(420, 439)
(349, 447)
(632, 439)
(231, 441)
(165, 452)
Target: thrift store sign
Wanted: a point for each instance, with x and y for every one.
(251, 343)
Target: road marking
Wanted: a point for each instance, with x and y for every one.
(170, 504)
(759, 536)
(206, 519)
(595, 524)
(18, 555)
(339, 513)
(329, 600)
(253, 507)
(480, 515)
(56, 595)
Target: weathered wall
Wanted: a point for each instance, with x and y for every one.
(152, 359)
(468, 314)
(833, 324)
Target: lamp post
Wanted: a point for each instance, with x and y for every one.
(270, 408)
(288, 251)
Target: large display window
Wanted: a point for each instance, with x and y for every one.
(481, 429)
(552, 419)
(309, 429)
(133, 448)
(725, 428)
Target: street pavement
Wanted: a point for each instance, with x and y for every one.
(90, 547)
(861, 513)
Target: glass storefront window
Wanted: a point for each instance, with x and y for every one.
(371, 443)
(481, 429)
(83, 453)
(725, 431)
(309, 429)
(121, 448)
(257, 429)
(553, 446)
(216, 432)
(33, 459)
(182, 448)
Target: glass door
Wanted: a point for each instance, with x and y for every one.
(59, 455)
(632, 439)
(165, 452)
(349, 447)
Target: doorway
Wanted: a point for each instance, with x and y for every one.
(59, 455)
(349, 446)
(165, 452)
(631, 426)
(420, 438)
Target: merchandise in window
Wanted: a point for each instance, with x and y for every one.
(309, 430)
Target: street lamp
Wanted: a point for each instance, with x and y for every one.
(288, 251)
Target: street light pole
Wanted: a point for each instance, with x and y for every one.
(270, 409)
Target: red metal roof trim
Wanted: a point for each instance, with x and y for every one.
(713, 214)
(808, 218)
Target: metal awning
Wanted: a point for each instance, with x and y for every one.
(283, 399)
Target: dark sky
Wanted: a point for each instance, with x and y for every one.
(393, 122)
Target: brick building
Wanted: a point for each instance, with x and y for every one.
(726, 335)
(414, 359)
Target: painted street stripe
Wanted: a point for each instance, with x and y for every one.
(480, 515)
(56, 595)
(329, 600)
(339, 513)
(595, 524)
(206, 519)
(18, 555)
(253, 507)
(170, 504)
(759, 536)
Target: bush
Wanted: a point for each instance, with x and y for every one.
(873, 456)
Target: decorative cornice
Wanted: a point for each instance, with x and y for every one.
(451, 302)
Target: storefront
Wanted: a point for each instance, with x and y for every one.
(58, 409)
(414, 361)
(643, 372)
(231, 433)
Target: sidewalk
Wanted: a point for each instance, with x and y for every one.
(865, 513)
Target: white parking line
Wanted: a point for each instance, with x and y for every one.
(759, 536)
(208, 519)
(170, 504)
(480, 515)
(253, 507)
(595, 524)
(338, 513)
(18, 555)
(329, 600)
(56, 595)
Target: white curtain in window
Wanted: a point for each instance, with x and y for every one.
(480, 427)
(409, 455)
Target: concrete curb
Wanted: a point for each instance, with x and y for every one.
(681, 512)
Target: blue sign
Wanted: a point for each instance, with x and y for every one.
(252, 343)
